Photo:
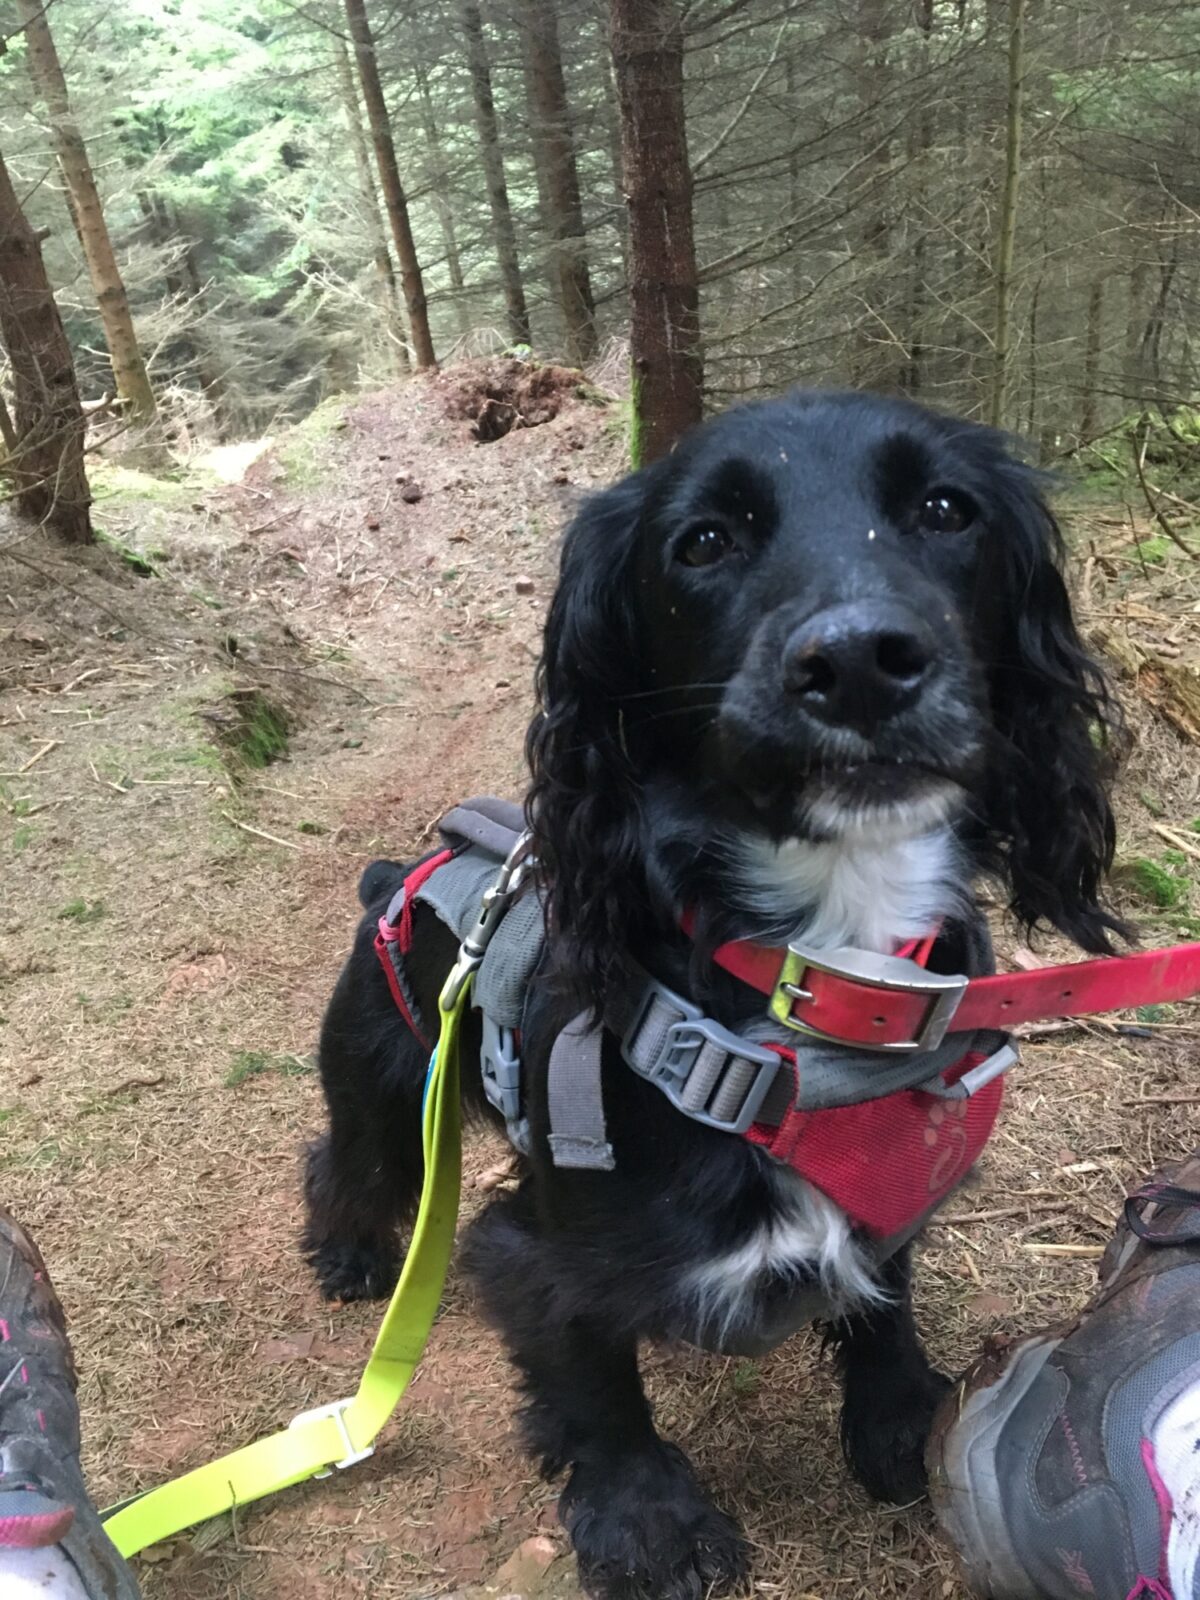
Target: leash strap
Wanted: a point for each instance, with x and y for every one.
(342, 1433)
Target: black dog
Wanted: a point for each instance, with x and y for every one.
(810, 675)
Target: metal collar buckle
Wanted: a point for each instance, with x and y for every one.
(892, 973)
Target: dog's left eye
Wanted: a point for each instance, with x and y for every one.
(946, 511)
(703, 545)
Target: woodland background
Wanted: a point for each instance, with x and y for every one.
(992, 205)
(308, 621)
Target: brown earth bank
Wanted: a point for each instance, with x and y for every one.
(365, 606)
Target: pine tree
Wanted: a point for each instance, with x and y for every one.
(87, 213)
(43, 456)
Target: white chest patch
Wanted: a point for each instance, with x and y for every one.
(807, 1238)
(871, 890)
(858, 890)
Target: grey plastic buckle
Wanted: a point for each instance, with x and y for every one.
(676, 1058)
(501, 1068)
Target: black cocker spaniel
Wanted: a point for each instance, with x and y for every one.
(811, 675)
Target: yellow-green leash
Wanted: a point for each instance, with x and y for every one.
(340, 1434)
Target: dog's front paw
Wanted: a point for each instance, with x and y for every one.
(644, 1529)
(355, 1271)
(884, 1431)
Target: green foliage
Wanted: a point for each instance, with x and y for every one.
(1152, 882)
(252, 730)
(746, 1379)
(82, 911)
(1153, 551)
(142, 565)
(264, 732)
(247, 1064)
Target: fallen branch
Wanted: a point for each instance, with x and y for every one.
(314, 677)
(261, 833)
(1156, 511)
(1165, 1100)
(136, 1083)
(1179, 840)
(1068, 1252)
(997, 1214)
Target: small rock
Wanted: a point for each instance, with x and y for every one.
(410, 490)
(524, 585)
(525, 1566)
(372, 522)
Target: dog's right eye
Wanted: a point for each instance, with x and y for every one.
(703, 545)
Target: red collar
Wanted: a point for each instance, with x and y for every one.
(892, 1003)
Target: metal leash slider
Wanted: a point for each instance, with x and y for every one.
(496, 900)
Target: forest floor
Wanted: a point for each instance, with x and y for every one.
(173, 920)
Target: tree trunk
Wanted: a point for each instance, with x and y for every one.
(664, 300)
(1091, 362)
(389, 178)
(439, 186)
(493, 172)
(389, 294)
(45, 460)
(920, 145)
(611, 121)
(551, 127)
(1007, 227)
(878, 363)
(129, 370)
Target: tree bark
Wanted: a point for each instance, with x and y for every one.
(439, 185)
(920, 145)
(878, 362)
(389, 178)
(493, 173)
(1091, 362)
(129, 370)
(389, 293)
(45, 457)
(664, 333)
(551, 128)
(1007, 226)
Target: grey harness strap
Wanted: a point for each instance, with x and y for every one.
(486, 820)
(576, 1103)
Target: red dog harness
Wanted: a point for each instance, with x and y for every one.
(854, 1079)
(887, 1161)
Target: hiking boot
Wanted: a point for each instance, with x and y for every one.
(1068, 1464)
(43, 1500)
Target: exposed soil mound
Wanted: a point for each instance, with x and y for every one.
(497, 396)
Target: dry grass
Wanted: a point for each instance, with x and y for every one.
(156, 1083)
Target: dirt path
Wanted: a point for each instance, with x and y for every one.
(163, 972)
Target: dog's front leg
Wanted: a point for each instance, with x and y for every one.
(642, 1526)
(890, 1391)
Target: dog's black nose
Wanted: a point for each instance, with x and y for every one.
(858, 664)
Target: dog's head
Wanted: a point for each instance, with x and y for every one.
(823, 615)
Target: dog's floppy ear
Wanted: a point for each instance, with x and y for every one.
(584, 799)
(1048, 804)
